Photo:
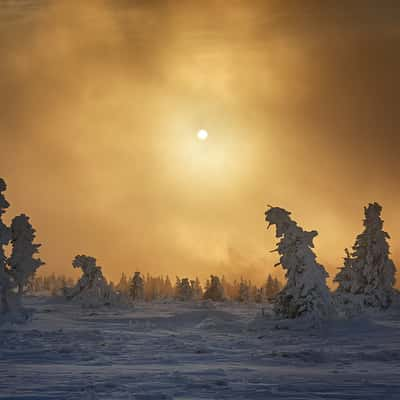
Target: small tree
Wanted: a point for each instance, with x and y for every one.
(183, 289)
(270, 287)
(214, 290)
(306, 292)
(344, 277)
(259, 297)
(168, 289)
(92, 288)
(197, 289)
(136, 290)
(244, 291)
(123, 284)
(22, 263)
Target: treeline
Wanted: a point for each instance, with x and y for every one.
(150, 288)
(53, 284)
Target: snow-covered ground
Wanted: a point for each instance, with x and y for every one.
(195, 351)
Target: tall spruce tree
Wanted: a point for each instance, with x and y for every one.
(22, 262)
(306, 292)
(136, 290)
(370, 268)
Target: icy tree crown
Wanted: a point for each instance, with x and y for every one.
(22, 262)
(85, 263)
(21, 229)
(279, 217)
(373, 216)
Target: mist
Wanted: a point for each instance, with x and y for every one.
(100, 104)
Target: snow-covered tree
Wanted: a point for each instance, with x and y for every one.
(136, 289)
(92, 288)
(183, 289)
(214, 290)
(244, 291)
(123, 285)
(168, 290)
(344, 277)
(51, 284)
(6, 281)
(197, 289)
(369, 270)
(306, 292)
(272, 287)
(22, 262)
(259, 296)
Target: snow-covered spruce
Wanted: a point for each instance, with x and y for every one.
(183, 289)
(92, 289)
(186, 290)
(197, 289)
(6, 282)
(344, 277)
(306, 292)
(123, 286)
(214, 289)
(136, 290)
(22, 262)
(15, 271)
(369, 271)
(244, 292)
(272, 287)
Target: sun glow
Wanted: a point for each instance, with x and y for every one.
(202, 134)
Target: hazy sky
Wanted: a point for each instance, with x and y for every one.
(100, 102)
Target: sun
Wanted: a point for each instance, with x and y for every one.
(202, 134)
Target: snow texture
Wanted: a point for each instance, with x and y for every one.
(188, 350)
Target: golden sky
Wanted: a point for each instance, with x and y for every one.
(100, 105)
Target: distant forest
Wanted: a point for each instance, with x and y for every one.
(162, 288)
